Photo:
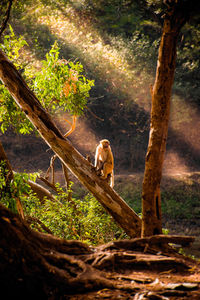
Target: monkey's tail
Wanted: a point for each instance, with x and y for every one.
(112, 179)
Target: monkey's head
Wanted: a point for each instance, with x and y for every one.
(105, 143)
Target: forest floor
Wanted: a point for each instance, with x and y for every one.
(41, 265)
(147, 274)
(150, 285)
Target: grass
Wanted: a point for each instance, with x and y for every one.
(180, 194)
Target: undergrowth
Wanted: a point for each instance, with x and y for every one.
(80, 219)
(66, 217)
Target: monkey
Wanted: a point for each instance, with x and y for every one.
(104, 161)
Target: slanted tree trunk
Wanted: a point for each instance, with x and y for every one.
(161, 93)
(78, 165)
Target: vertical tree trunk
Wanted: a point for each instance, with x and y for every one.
(161, 93)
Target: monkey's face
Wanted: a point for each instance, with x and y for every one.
(105, 144)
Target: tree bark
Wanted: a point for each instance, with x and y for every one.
(78, 165)
(161, 93)
(40, 191)
(35, 265)
(9, 177)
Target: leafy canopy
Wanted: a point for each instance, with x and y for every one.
(59, 85)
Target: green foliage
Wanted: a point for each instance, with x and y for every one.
(12, 189)
(10, 113)
(116, 16)
(165, 231)
(144, 51)
(188, 61)
(60, 84)
(179, 195)
(117, 41)
(12, 47)
(5, 193)
(82, 219)
(180, 203)
(131, 193)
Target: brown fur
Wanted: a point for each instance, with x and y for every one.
(104, 162)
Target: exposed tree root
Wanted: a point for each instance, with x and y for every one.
(34, 264)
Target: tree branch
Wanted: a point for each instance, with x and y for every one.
(7, 15)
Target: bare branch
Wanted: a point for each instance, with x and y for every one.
(73, 126)
(7, 15)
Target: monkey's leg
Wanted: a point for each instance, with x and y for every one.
(107, 169)
(108, 179)
(99, 168)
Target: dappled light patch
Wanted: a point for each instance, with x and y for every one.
(116, 63)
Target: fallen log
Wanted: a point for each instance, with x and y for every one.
(158, 240)
(152, 244)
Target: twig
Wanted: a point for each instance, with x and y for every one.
(73, 126)
(36, 221)
(19, 207)
(7, 15)
(93, 114)
(48, 183)
(66, 176)
(51, 168)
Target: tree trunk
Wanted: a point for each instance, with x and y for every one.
(9, 177)
(78, 165)
(161, 93)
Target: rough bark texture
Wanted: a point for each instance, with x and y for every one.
(8, 174)
(35, 265)
(79, 166)
(161, 93)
